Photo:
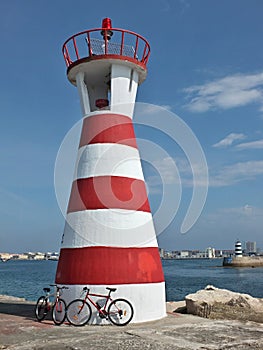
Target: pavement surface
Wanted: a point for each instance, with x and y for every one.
(20, 331)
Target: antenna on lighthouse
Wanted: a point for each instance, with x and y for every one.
(109, 238)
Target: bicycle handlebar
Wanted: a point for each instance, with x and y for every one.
(55, 285)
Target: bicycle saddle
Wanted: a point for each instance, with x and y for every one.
(111, 289)
(46, 290)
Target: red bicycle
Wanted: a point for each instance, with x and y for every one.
(118, 311)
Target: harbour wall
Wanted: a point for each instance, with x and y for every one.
(243, 261)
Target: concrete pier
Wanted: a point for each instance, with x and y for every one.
(243, 261)
(20, 331)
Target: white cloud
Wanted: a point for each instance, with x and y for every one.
(242, 216)
(245, 210)
(177, 172)
(147, 108)
(226, 225)
(246, 216)
(167, 107)
(180, 172)
(235, 173)
(227, 141)
(228, 92)
(168, 171)
(250, 145)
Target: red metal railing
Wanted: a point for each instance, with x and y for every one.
(105, 42)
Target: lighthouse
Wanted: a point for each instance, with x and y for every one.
(109, 238)
(238, 249)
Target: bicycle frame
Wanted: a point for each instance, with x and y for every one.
(101, 310)
(55, 295)
(48, 296)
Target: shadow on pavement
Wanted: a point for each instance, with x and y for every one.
(18, 309)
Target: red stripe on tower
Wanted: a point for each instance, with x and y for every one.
(109, 265)
(108, 128)
(104, 192)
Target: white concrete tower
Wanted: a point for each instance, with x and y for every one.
(109, 238)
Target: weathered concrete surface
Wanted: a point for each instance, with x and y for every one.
(244, 261)
(20, 331)
(217, 303)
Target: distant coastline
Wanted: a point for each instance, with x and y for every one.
(193, 258)
(4, 257)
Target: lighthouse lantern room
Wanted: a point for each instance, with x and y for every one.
(109, 238)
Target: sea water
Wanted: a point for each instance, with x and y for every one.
(27, 278)
(188, 276)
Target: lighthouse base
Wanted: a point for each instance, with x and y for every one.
(148, 300)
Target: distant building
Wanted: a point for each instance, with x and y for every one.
(210, 253)
(184, 254)
(162, 252)
(251, 247)
(39, 256)
(20, 256)
(200, 255)
(5, 256)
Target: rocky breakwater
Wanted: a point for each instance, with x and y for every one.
(216, 303)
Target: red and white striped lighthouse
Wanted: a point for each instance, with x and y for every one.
(109, 237)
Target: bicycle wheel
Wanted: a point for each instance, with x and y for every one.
(59, 311)
(41, 308)
(120, 312)
(78, 312)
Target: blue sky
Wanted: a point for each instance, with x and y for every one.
(206, 66)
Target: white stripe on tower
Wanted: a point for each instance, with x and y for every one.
(108, 158)
(109, 227)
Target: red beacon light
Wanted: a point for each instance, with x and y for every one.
(106, 23)
(106, 26)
